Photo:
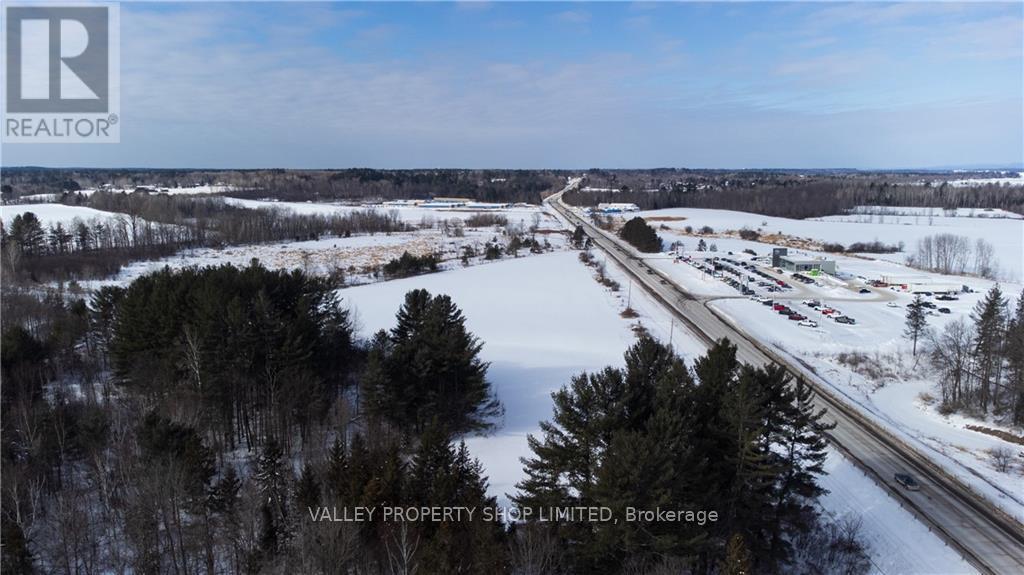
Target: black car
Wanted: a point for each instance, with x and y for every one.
(944, 310)
(907, 481)
(864, 290)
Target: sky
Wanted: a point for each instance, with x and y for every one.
(563, 85)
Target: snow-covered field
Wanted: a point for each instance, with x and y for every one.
(175, 191)
(543, 319)
(1017, 180)
(356, 258)
(1005, 234)
(54, 213)
(413, 214)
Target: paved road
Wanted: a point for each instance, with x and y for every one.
(986, 537)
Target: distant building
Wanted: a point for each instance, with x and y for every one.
(617, 208)
(782, 259)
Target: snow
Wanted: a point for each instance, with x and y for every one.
(411, 214)
(175, 191)
(544, 319)
(52, 214)
(897, 392)
(895, 540)
(1005, 234)
(1017, 180)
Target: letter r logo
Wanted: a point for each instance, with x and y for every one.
(57, 59)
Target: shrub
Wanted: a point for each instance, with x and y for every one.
(410, 265)
(486, 220)
(749, 234)
(833, 248)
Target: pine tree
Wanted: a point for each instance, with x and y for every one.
(307, 491)
(989, 317)
(429, 367)
(737, 558)
(272, 477)
(578, 236)
(641, 235)
(917, 321)
(1014, 351)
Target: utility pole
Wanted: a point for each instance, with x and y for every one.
(671, 331)
(629, 293)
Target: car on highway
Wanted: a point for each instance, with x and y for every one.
(864, 290)
(808, 323)
(892, 304)
(907, 481)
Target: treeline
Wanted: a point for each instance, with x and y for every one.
(790, 195)
(301, 185)
(153, 225)
(981, 361)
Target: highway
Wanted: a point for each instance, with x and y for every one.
(985, 536)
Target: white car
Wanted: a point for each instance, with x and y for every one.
(808, 323)
(892, 304)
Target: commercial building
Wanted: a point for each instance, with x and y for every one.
(782, 259)
(615, 208)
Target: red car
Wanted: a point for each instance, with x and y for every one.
(796, 317)
(778, 307)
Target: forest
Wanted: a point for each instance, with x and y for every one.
(193, 421)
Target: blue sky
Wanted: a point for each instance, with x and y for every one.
(564, 85)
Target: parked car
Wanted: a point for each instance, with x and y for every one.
(892, 304)
(778, 307)
(797, 317)
(944, 310)
(846, 320)
(808, 323)
(907, 481)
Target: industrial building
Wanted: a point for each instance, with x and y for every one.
(782, 259)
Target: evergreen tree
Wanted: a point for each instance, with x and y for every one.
(641, 235)
(428, 367)
(578, 236)
(917, 321)
(1014, 351)
(272, 475)
(989, 317)
(737, 558)
(307, 491)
